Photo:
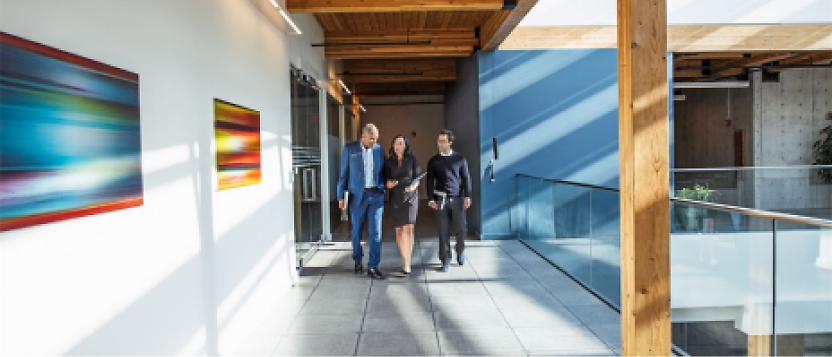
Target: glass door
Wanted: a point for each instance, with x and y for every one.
(306, 165)
(335, 143)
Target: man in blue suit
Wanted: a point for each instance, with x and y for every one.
(361, 176)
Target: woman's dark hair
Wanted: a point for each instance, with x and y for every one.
(448, 135)
(407, 150)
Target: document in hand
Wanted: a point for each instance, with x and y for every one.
(344, 216)
(416, 180)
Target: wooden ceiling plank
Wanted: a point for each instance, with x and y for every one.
(507, 21)
(346, 6)
(423, 18)
(379, 55)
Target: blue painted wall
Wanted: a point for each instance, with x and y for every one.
(554, 114)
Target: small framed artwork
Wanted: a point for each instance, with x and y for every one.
(237, 138)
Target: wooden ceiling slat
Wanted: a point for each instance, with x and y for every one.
(380, 89)
(399, 55)
(347, 6)
(374, 23)
(423, 19)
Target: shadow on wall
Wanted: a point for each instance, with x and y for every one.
(163, 321)
(555, 115)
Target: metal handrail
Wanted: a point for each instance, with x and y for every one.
(572, 183)
(716, 206)
(751, 168)
(757, 213)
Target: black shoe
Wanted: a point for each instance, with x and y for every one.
(374, 273)
(359, 269)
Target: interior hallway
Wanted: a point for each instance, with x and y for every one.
(505, 300)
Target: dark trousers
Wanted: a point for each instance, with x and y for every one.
(451, 217)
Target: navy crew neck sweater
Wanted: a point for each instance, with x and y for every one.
(448, 174)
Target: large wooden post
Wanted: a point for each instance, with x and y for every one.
(644, 159)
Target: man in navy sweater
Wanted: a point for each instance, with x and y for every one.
(449, 190)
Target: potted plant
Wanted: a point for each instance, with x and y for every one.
(691, 217)
(822, 151)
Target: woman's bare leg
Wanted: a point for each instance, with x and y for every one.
(401, 242)
(408, 240)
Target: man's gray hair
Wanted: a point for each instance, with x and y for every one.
(369, 128)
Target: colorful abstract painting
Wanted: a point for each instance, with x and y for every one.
(70, 143)
(237, 135)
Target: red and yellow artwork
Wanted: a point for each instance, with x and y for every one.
(237, 135)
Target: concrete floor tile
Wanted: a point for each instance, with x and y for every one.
(404, 322)
(341, 344)
(483, 342)
(549, 341)
(468, 319)
(541, 317)
(398, 344)
(323, 324)
(596, 314)
(456, 288)
(513, 302)
(397, 305)
(610, 334)
(334, 306)
(462, 303)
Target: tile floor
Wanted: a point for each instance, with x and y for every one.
(505, 301)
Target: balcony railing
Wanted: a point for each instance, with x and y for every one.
(733, 287)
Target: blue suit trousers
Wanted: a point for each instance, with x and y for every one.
(370, 209)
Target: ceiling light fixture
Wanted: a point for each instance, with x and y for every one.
(345, 87)
(286, 17)
(722, 84)
(362, 108)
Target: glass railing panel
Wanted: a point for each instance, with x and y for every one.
(797, 190)
(803, 293)
(605, 227)
(571, 248)
(537, 232)
(721, 283)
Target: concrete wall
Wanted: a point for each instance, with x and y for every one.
(462, 117)
(554, 114)
(193, 270)
(423, 120)
(703, 138)
(788, 116)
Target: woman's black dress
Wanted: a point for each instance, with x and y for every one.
(403, 205)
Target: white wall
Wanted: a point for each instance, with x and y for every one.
(193, 270)
(426, 120)
(679, 12)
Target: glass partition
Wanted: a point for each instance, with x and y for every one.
(799, 190)
(762, 288)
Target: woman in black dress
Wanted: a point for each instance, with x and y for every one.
(400, 169)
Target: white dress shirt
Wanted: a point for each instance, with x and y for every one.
(369, 178)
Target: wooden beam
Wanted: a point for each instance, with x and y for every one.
(390, 89)
(500, 24)
(400, 52)
(813, 58)
(754, 60)
(459, 37)
(683, 38)
(329, 6)
(428, 70)
(645, 179)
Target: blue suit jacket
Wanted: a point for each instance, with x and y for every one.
(351, 177)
